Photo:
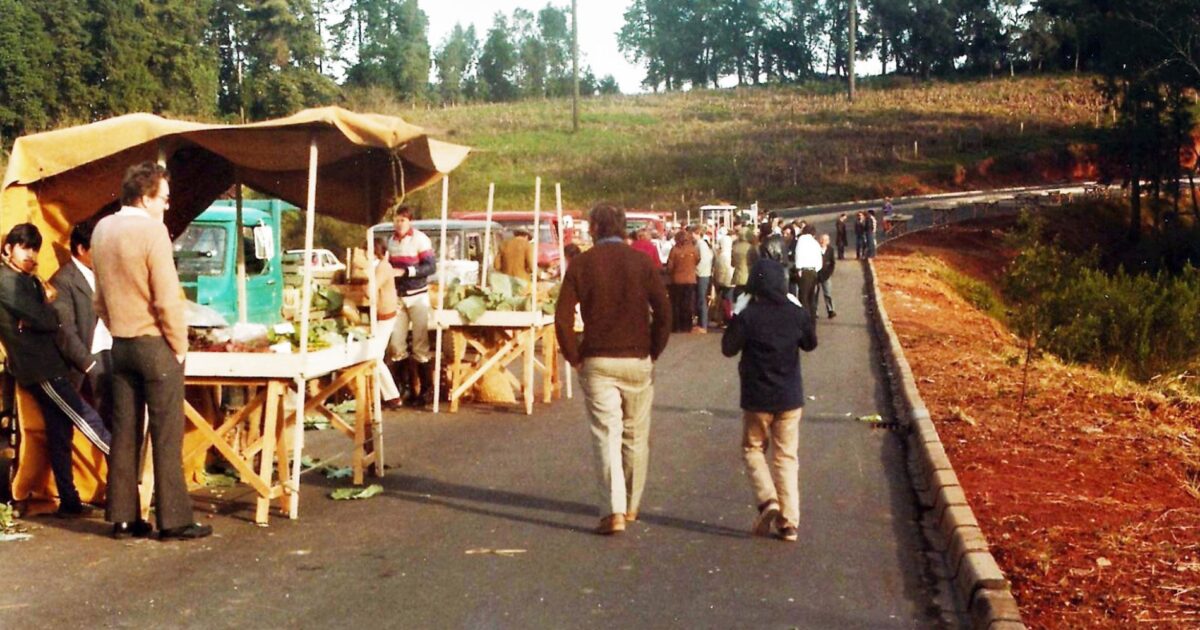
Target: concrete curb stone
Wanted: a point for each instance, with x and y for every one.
(978, 580)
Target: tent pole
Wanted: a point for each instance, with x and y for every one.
(373, 319)
(562, 262)
(241, 250)
(441, 271)
(305, 308)
(487, 237)
(527, 387)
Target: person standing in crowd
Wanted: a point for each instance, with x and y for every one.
(871, 227)
(742, 258)
(28, 329)
(643, 243)
(860, 235)
(411, 255)
(842, 239)
(664, 243)
(723, 273)
(681, 269)
(139, 298)
(515, 257)
(627, 317)
(386, 304)
(808, 263)
(825, 276)
(789, 265)
(769, 333)
(704, 271)
(85, 341)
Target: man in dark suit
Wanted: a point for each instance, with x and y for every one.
(83, 340)
(825, 276)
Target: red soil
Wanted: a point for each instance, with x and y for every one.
(1089, 492)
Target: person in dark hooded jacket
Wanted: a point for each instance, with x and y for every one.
(769, 330)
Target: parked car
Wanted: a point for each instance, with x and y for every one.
(464, 244)
(326, 266)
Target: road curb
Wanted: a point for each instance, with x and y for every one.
(970, 566)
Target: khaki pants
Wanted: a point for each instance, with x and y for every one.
(412, 309)
(780, 481)
(617, 394)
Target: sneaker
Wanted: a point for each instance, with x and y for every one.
(187, 532)
(788, 533)
(611, 524)
(766, 518)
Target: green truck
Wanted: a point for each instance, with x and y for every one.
(206, 257)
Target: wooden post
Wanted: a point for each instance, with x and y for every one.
(562, 268)
(441, 271)
(305, 309)
(241, 251)
(527, 372)
(487, 237)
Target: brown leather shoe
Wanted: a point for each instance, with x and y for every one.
(611, 524)
(631, 516)
(768, 514)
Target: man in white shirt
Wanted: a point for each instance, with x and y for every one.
(808, 263)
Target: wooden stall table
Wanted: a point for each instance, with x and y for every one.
(495, 340)
(259, 429)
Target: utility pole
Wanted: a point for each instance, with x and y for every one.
(850, 57)
(575, 64)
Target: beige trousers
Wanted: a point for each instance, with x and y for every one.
(780, 480)
(617, 394)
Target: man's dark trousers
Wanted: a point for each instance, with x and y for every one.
(808, 291)
(61, 410)
(146, 373)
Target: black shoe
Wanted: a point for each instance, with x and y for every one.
(136, 529)
(73, 510)
(187, 532)
(832, 314)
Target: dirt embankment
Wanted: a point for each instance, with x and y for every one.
(1089, 491)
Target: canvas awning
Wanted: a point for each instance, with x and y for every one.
(58, 178)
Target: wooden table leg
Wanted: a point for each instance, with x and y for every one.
(361, 417)
(283, 450)
(527, 372)
(547, 365)
(269, 435)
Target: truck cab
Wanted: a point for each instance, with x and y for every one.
(206, 257)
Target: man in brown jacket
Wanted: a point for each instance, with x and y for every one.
(626, 322)
(515, 257)
(139, 298)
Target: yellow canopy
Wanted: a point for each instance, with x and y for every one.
(59, 178)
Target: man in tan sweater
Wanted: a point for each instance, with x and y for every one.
(627, 322)
(139, 298)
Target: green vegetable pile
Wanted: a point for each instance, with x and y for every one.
(503, 293)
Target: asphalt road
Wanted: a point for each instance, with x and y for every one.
(494, 479)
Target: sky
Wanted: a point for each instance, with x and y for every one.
(599, 21)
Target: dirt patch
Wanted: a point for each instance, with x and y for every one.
(1089, 492)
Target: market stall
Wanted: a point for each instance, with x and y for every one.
(484, 340)
(350, 166)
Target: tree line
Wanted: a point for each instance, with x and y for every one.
(696, 43)
(73, 61)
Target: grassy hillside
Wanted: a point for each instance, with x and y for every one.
(781, 146)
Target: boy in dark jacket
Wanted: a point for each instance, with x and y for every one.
(29, 328)
(769, 332)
